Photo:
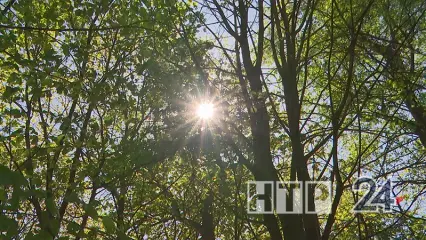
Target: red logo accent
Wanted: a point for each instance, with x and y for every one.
(399, 199)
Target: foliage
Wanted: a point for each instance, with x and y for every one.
(100, 139)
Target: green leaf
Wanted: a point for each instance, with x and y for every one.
(51, 205)
(109, 224)
(16, 113)
(73, 228)
(16, 198)
(50, 222)
(9, 177)
(3, 195)
(144, 66)
(9, 92)
(6, 175)
(73, 198)
(8, 225)
(91, 211)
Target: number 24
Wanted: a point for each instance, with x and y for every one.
(372, 200)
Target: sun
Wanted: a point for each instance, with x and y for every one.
(205, 111)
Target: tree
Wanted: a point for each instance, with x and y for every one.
(83, 98)
(322, 85)
(100, 137)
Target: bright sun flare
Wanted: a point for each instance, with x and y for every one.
(205, 110)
